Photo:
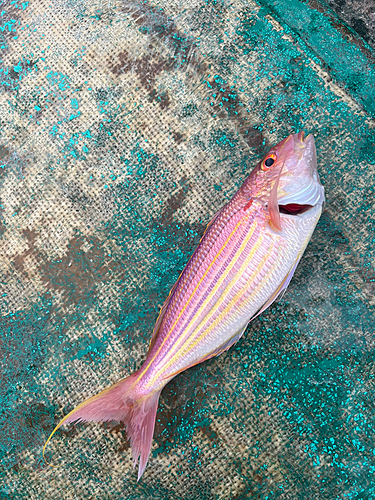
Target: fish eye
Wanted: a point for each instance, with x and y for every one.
(268, 162)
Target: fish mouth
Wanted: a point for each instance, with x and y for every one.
(294, 208)
(296, 189)
(299, 203)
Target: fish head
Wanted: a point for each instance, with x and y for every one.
(286, 180)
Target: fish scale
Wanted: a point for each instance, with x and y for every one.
(211, 269)
(245, 259)
(202, 302)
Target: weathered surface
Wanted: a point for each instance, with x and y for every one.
(358, 14)
(124, 127)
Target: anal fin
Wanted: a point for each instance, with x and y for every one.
(219, 350)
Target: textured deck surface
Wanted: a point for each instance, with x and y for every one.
(124, 128)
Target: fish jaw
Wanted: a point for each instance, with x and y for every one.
(291, 185)
(300, 181)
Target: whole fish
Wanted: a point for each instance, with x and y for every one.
(245, 259)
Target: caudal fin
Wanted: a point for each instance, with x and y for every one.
(124, 403)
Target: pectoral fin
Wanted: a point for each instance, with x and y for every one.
(273, 206)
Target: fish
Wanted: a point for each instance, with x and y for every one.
(245, 260)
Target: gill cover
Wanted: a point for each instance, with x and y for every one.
(283, 152)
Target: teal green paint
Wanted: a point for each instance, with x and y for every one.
(347, 63)
(92, 347)
(26, 337)
(58, 80)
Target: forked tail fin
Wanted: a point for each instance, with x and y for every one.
(122, 402)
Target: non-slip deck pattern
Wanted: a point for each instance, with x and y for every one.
(124, 127)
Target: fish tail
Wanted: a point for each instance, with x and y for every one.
(123, 402)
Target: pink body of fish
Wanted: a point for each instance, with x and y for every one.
(245, 259)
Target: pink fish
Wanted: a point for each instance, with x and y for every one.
(244, 261)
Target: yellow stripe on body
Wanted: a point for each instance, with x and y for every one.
(163, 310)
(190, 298)
(171, 356)
(164, 307)
(237, 297)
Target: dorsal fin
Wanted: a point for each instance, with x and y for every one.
(161, 315)
(213, 220)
